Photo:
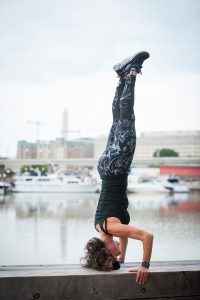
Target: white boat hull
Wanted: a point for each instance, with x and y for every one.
(69, 188)
(51, 184)
(146, 188)
(180, 188)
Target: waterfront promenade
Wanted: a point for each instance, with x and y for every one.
(167, 280)
(16, 164)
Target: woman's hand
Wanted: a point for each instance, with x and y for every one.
(142, 274)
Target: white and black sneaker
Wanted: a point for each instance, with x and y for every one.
(134, 61)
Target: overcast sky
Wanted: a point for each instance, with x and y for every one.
(58, 54)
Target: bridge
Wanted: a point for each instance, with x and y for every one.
(16, 164)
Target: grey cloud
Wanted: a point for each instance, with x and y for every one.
(47, 39)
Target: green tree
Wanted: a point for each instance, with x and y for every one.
(6, 173)
(41, 168)
(165, 153)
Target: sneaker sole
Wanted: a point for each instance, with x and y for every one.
(130, 59)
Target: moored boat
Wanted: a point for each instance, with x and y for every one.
(140, 185)
(54, 183)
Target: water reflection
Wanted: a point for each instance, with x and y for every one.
(188, 202)
(55, 206)
(83, 206)
(53, 228)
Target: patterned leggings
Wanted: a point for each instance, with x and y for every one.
(118, 156)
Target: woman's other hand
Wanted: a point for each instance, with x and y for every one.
(142, 274)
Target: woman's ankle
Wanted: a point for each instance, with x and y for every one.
(132, 73)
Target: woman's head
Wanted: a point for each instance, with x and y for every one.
(98, 257)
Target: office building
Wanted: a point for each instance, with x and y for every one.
(186, 143)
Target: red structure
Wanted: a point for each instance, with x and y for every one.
(182, 171)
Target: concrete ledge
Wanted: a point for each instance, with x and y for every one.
(168, 280)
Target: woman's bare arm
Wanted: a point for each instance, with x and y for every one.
(123, 241)
(127, 231)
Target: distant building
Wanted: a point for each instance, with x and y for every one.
(186, 143)
(26, 150)
(80, 148)
(99, 145)
(44, 150)
(56, 149)
(59, 148)
(65, 127)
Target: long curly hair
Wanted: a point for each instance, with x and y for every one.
(97, 257)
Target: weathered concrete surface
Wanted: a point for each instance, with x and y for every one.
(168, 280)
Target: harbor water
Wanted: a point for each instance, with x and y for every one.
(53, 228)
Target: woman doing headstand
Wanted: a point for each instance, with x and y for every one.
(112, 217)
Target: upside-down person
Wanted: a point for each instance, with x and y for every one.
(112, 218)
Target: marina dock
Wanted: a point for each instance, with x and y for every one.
(167, 280)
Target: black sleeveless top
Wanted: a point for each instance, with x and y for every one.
(113, 201)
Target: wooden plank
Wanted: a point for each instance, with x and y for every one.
(73, 282)
(170, 298)
(73, 269)
(94, 287)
